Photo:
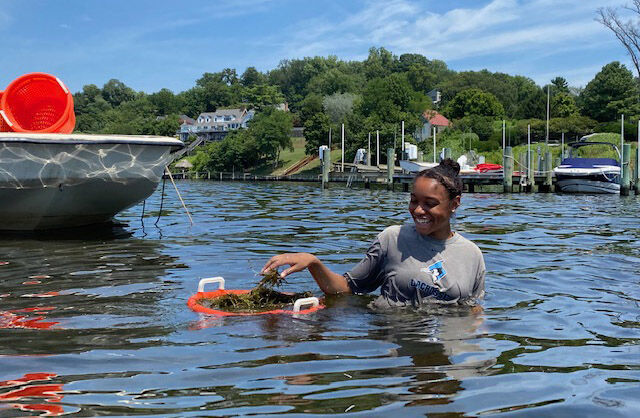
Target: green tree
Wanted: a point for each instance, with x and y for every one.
(563, 105)
(379, 63)
(272, 131)
(165, 102)
(338, 106)
(166, 125)
(212, 91)
(90, 109)
(252, 77)
(263, 95)
(421, 78)
(316, 132)
(334, 81)
(311, 105)
(116, 92)
(474, 102)
(479, 125)
(560, 85)
(612, 92)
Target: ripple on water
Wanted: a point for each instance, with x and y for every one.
(96, 323)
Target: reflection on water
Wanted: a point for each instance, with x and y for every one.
(98, 324)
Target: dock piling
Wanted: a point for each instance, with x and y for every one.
(507, 164)
(548, 172)
(326, 165)
(625, 179)
(391, 162)
(636, 177)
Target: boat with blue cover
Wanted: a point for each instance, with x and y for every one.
(577, 174)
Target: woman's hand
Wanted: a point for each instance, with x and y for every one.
(329, 282)
(296, 261)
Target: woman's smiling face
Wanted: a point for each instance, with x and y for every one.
(431, 208)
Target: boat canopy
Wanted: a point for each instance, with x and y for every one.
(589, 162)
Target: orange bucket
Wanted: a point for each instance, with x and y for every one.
(4, 126)
(194, 302)
(37, 102)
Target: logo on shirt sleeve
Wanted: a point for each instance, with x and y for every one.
(436, 270)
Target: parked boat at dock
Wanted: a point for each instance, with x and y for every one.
(588, 175)
(50, 181)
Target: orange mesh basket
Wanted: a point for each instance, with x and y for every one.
(38, 102)
(4, 126)
(312, 303)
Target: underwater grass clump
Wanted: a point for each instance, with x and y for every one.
(261, 298)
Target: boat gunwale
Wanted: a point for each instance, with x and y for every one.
(89, 139)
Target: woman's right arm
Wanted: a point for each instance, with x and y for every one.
(329, 282)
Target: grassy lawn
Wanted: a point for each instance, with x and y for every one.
(289, 158)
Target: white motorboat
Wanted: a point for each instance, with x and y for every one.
(588, 175)
(50, 181)
(414, 166)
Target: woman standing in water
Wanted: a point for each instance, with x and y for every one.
(412, 263)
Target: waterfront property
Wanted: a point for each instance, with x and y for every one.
(214, 126)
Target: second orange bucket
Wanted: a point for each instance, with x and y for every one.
(38, 102)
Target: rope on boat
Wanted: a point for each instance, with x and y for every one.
(180, 197)
(164, 180)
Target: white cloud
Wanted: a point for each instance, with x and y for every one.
(510, 29)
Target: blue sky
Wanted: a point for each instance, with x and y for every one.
(154, 44)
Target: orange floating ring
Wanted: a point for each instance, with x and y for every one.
(194, 301)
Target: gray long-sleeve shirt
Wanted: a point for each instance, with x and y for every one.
(411, 269)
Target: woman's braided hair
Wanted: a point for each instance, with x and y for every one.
(447, 174)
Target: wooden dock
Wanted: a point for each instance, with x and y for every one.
(367, 178)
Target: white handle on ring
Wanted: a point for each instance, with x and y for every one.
(218, 279)
(304, 302)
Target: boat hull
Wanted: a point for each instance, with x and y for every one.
(76, 180)
(582, 180)
(578, 185)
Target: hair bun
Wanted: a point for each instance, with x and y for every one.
(450, 166)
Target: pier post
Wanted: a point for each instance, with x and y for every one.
(636, 179)
(367, 183)
(626, 175)
(326, 165)
(548, 171)
(507, 165)
(531, 175)
(391, 161)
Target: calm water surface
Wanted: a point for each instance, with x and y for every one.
(96, 323)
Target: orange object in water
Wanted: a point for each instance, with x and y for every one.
(37, 102)
(194, 301)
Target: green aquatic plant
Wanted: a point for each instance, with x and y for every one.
(261, 298)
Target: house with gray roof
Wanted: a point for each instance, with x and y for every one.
(214, 126)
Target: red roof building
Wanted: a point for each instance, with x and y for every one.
(435, 118)
(432, 120)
